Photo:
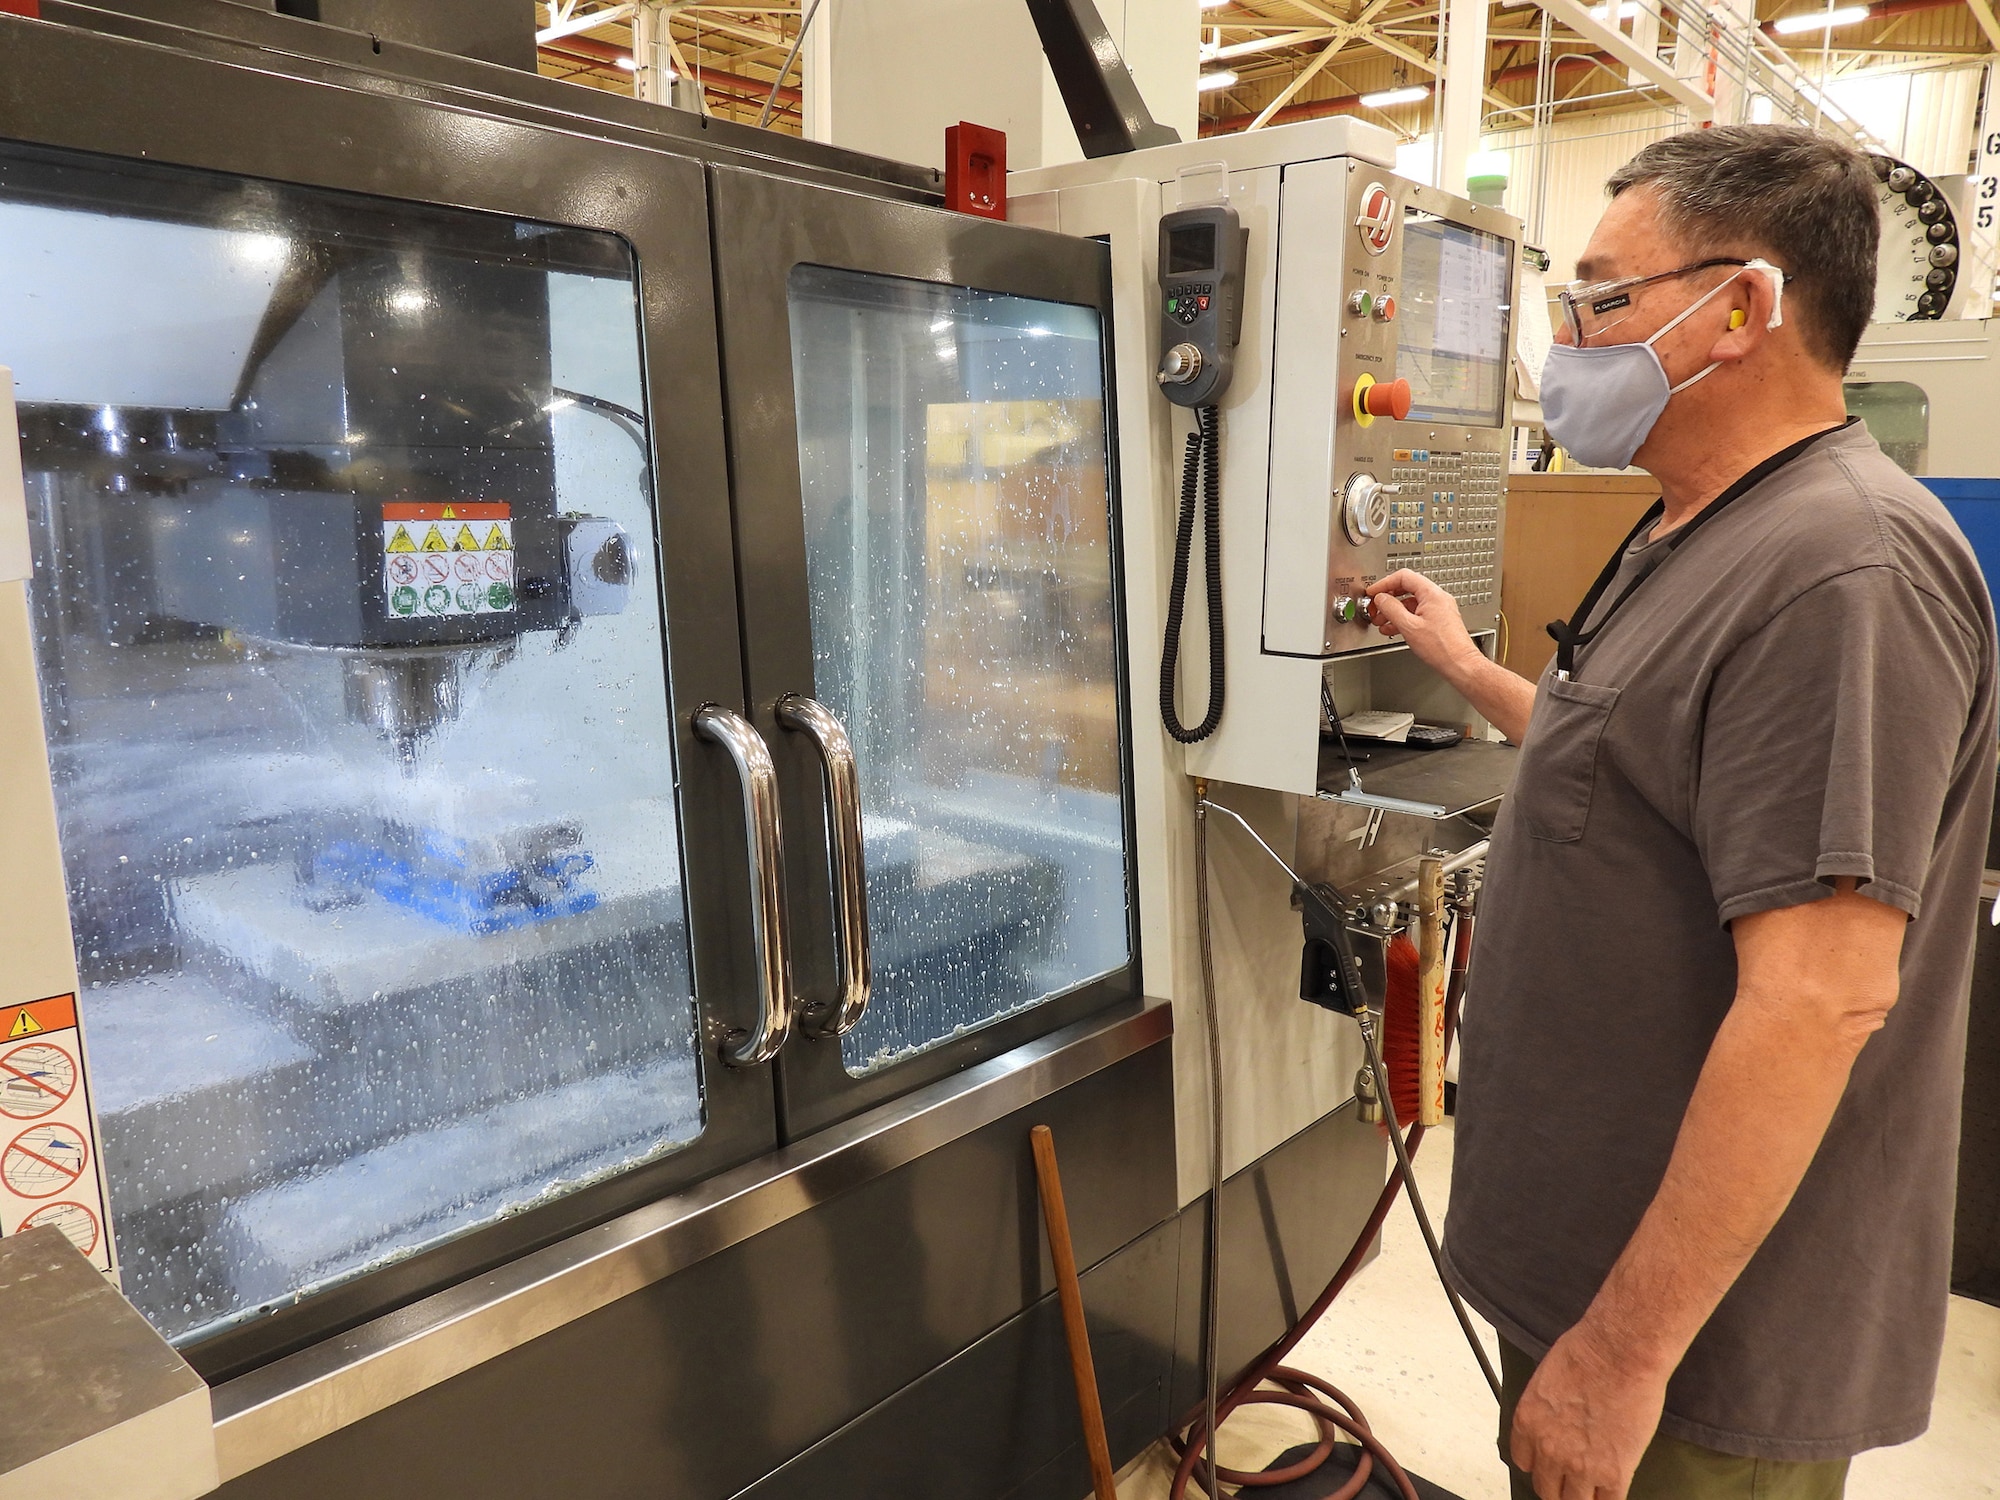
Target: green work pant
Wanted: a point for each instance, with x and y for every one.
(1674, 1470)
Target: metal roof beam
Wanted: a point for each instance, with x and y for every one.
(1305, 76)
(1266, 44)
(1415, 58)
(572, 21)
(1982, 12)
(1608, 37)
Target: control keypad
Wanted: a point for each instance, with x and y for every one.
(1444, 519)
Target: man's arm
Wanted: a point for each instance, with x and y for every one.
(1431, 624)
(1814, 982)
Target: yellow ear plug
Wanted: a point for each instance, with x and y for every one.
(1736, 319)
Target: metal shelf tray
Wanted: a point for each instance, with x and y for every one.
(1421, 783)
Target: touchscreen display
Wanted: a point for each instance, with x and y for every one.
(1452, 322)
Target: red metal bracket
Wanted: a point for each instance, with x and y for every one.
(32, 9)
(975, 170)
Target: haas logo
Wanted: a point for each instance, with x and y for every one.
(1377, 220)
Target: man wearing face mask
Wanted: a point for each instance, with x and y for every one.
(1709, 1093)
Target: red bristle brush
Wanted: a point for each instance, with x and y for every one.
(1399, 1030)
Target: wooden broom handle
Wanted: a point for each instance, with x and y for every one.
(1432, 963)
(1070, 1291)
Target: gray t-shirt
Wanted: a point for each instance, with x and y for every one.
(1804, 689)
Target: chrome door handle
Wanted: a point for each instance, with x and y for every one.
(850, 885)
(775, 998)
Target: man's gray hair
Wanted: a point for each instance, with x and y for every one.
(1804, 201)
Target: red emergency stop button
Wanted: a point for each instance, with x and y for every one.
(1389, 399)
(1381, 398)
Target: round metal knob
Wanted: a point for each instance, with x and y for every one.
(1365, 513)
(1179, 365)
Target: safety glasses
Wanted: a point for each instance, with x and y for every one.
(1595, 300)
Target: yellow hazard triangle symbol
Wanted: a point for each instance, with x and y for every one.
(496, 540)
(24, 1024)
(465, 541)
(434, 540)
(401, 542)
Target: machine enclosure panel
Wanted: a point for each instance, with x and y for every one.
(496, 155)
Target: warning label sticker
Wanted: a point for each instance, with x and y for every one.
(73, 1219)
(455, 559)
(48, 1152)
(35, 1079)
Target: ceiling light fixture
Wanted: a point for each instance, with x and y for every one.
(1210, 82)
(1213, 4)
(1820, 20)
(629, 64)
(1389, 98)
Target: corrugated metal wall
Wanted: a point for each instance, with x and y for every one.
(1927, 117)
(1582, 153)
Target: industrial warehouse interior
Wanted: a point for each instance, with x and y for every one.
(999, 749)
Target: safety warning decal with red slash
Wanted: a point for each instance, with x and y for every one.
(49, 1172)
(455, 559)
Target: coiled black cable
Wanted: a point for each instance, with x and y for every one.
(1201, 477)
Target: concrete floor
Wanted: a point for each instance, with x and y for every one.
(1392, 1344)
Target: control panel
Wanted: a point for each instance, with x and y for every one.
(1394, 334)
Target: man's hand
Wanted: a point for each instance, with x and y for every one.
(1585, 1419)
(1409, 605)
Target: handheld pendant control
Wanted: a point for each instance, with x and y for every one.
(1202, 251)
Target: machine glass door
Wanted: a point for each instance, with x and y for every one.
(348, 626)
(944, 480)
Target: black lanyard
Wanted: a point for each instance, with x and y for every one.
(1569, 636)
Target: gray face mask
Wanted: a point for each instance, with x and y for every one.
(1601, 404)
